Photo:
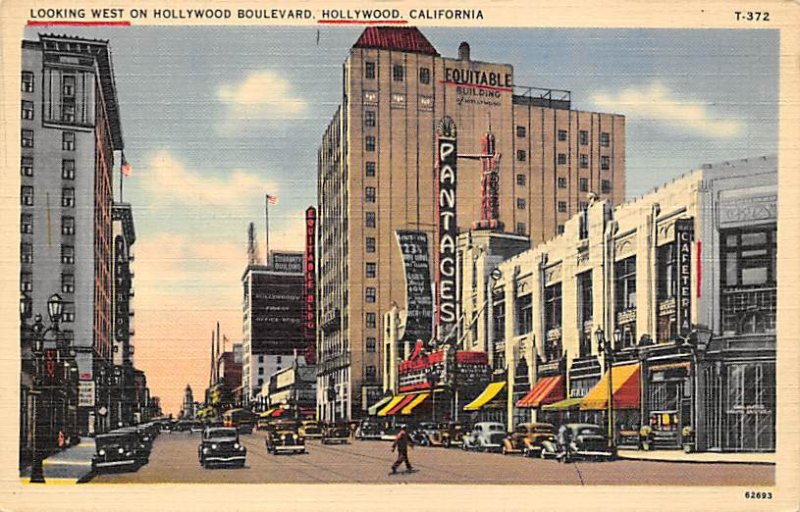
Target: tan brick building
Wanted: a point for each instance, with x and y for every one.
(377, 174)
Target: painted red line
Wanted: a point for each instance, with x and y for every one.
(32, 23)
(484, 87)
(362, 22)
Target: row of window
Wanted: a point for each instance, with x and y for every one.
(67, 140)
(67, 253)
(398, 73)
(583, 136)
(67, 168)
(67, 196)
(26, 224)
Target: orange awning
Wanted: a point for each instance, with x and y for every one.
(401, 404)
(547, 390)
(625, 380)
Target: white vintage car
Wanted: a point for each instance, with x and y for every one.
(485, 436)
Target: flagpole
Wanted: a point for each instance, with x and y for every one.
(266, 207)
(121, 177)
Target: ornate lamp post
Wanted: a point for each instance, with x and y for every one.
(604, 347)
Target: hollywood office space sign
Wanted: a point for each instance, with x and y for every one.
(446, 156)
(419, 296)
(684, 235)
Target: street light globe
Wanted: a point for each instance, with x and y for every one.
(55, 307)
(617, 337)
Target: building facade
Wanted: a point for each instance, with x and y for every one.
(682, 283)
(123, 315)
(70, 130)
(376, 174)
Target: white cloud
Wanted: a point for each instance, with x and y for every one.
(658, 103)
(262, 95)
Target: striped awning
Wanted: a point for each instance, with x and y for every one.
(546, 391)
(564, 405)
(406, 399)
(491, 391)
(267, 413)
(389, 406)
(408, 409)
(374, 408)
(625, 392)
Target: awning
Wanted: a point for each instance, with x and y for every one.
(564, 405)
(408, 409)
(267, 413)
(546, 391)
(277, 413)
(484, 398)
(625, 380)
(373, 409)
(389, 406)
(406, 399)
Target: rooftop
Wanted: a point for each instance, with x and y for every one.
(401, 39)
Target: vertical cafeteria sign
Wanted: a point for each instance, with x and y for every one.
(446, 209)
(684, 235)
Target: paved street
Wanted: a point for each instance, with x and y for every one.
(174, 459)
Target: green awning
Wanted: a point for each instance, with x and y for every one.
(564, 405)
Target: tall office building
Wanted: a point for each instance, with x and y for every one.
(70, 129)
(377, 174)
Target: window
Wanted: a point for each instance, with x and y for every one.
(26, 252)
(521, 203)
(260, 359)
(370, 97)
(26, 166)
(398, 100)
(369, 220)
(583, 136)
(583, 205)
(68, 141)
(369, 143)
(521, 180)
(625, 283)
(521, 230)
(68, 169)
(369, 118)
(605, 162)
(68, 197)
(426, 102)
(68, 112)
(27, 109)
(68, 283)
(584, 161)
(521, 131)
(369, 194)
(261, 382)
(67, 254)
(261, 370)
(524, 314)
(27, 81)
(562, 206)
(67, 225)
(562, 135)
(562, 159)
(371, 321)
(68, 312)
(562, 182)
(552, 307)
(397, 72)
(583, 184)
(370, 375)
(605, 139)
(369, 70)
(369, 169)
(560, 229)
(68, 86)
(371, 270)
(521, 155)
(605, 187)
(370, 244)
(369, 294)
(586, 313)
(26, 223)
(749, 257)
(26, 195)
(499, 314)
(27, 138)
(424, 76)
(25, 282)
(371, 344)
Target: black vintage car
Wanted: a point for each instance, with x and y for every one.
(283, 437)
(220, 446)
(117, 451)
(369, 429)
(579, 441)
(336, 433)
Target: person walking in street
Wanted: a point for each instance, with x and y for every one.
(402, 442)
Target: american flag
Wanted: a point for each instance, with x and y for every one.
(272, 199)
(126, 168)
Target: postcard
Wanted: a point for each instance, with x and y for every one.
(399, 254)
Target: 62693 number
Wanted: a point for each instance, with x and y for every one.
(753, 495)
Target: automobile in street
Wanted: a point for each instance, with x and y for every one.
(421, 434)
(337, 433)
(196, 426)
(586, 442)
(447, 434)
(485, 436)
(243, 420)
(117, 450)
(310, 429)
(389, 432)
(527, 439)
(221, 446)
(283, 437)
(183, 426)
(368, 429)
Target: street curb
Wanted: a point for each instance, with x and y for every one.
(680, 461)
(85, 478)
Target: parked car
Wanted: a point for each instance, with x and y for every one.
(389, 432)
(587, 441)
(183, 426)
(310, 429)
(450, 433)
(116, 450)
(221, 446)
(196, 426)
(143, 442)
(420, 434)
(527, 439)
(485, 436)
(283, 437)
(368, 429)
(336, 433)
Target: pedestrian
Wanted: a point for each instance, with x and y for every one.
(402, 442)
(564, 439)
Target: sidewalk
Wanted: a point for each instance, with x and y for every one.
(679, 456)
(69, 466)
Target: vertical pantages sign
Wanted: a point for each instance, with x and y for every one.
(684, 236)
(446, 157)
(310, 314)
(419, 296)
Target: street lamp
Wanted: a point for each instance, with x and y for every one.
(605, 348)
(332, 398)
(432, 376)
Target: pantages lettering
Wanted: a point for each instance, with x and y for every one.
(684, 235)
(446, 275)
(477, 77)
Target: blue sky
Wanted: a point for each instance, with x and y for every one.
(214, 117)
